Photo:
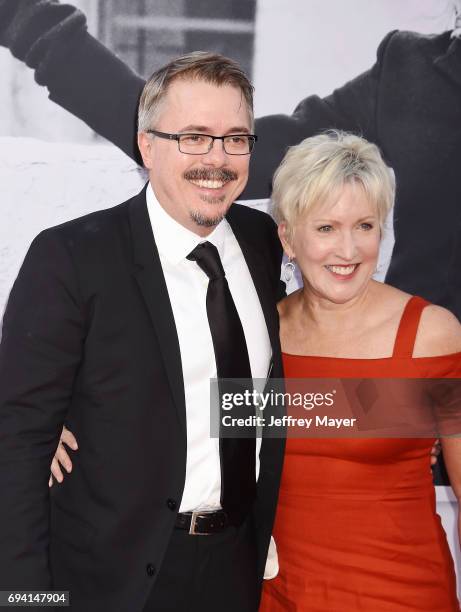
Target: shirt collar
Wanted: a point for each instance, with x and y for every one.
(174, 241)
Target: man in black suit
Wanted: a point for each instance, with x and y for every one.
(115, 324)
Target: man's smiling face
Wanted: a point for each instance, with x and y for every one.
(197, 190)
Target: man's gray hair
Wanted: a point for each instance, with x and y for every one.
(199, 65)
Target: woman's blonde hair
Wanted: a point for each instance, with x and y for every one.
(317, 167)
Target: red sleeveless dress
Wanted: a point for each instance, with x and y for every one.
(356, 526)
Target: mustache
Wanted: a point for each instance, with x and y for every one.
(210, 174)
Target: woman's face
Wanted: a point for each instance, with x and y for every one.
(336, 245)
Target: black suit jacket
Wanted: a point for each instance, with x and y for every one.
(89, 338)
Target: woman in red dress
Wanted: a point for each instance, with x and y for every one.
(356, 527)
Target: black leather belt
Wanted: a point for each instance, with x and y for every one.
(202, 523)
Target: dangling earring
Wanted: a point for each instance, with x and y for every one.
(288, 270)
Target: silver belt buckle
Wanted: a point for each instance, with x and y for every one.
(193, 521)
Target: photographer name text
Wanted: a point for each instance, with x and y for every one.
(287, 421)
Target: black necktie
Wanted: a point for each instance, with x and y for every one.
(238, 476)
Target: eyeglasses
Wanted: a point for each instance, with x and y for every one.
(200, 144)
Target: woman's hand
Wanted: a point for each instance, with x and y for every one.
(61, 456)
(435, 452)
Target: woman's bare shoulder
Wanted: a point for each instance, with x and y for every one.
(388, 302)
(439, 333)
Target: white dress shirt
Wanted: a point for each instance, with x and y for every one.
(187, 287)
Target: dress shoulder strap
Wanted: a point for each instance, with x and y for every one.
(408, 327)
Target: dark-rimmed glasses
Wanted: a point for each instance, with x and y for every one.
(201, 144)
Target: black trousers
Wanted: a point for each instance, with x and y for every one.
(213, 573)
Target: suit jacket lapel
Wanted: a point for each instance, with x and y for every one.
(258, 271)
(148, 272)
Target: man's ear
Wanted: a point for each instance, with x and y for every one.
(145, 147)
(285, 238)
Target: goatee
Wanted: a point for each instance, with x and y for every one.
(203, 221)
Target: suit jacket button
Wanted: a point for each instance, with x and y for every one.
(150, 569)
(172, 505)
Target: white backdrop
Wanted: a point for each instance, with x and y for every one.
(312, 46)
